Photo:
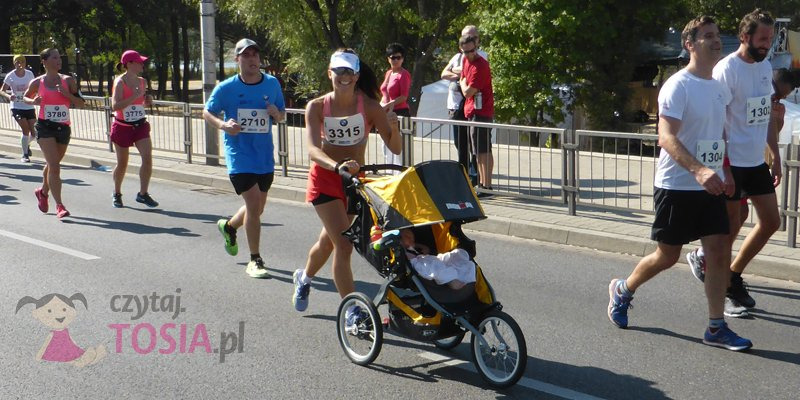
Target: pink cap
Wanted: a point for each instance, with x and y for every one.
(132, 56)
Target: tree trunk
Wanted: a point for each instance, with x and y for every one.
(221, 57)
(110, 70)
(185, 43)
(176, 56)
(161, 73)
(5, 33)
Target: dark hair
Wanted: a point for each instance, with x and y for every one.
(46, 299)
(367, 82)
(467, 39)
(690, 30)
(45, 54)
(783, 75)
(393, 48)
(751, 21)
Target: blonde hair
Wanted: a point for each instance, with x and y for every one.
(18, 57)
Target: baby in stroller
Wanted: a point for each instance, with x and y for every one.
(452, 268)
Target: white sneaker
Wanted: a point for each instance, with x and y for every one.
(734, 310)
(697, 264)
(256, 269)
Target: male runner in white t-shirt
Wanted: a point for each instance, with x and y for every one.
(689, 186)
(748, 127)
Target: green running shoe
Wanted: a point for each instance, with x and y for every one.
(230, 239)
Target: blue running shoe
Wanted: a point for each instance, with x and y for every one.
(353, 317)
(618, 305)
(727, 339)
(300, 298)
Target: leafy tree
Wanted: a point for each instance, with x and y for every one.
(589, 46)
(308, 31)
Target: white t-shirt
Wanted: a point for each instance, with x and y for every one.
(454, 94)
(748, 113)
(700, 106)
(18, 88)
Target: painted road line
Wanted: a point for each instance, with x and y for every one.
(529, 383)
(46, 245)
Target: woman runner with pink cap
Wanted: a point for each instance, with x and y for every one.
(130, 126)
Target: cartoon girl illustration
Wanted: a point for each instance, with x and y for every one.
(57, 311)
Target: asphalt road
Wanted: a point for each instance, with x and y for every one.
(557, 294)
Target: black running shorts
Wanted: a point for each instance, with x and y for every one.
(683, 216)
(243, 182)
(751, 181)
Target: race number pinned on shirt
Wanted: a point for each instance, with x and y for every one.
(133, 112)
(758, 110)
(345, 131)
(711, 153)
(56, 113)
(254, 120)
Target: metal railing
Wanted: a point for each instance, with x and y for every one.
(608, 170)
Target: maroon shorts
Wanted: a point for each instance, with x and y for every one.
(125, 135)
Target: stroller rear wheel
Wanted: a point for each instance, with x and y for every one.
(503, 361)
(361, 338)
(451, 342)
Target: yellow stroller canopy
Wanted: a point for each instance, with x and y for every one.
(427, 193)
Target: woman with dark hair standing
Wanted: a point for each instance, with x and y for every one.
(337, 125)
(394, 91)
(54, 93)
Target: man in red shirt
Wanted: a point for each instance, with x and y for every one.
(476, 84)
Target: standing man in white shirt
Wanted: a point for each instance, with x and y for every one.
(748, 126)
(455, 106)
(689, 186)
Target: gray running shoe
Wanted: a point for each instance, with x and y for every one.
(697, 264)
(735, 310)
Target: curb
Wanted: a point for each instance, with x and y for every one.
(767, 266)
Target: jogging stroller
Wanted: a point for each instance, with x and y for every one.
(433, 199)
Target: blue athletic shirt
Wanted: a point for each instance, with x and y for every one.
(248, 152)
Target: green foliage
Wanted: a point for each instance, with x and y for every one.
(589, 46)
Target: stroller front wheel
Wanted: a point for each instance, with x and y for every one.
(359, 328)
(502, 361)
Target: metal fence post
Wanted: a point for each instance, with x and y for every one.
(792, 179)
(109, 115)
(407, 129)
(569, 181)
(283, 150)
(187, 131)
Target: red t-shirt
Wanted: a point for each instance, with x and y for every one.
(396, 85)
(478, 76)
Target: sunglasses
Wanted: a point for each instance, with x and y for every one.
(469, 51)
(396, 57)
(342, 71)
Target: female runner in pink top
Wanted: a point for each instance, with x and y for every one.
(54, 93)
(130, 126)
(336, 128)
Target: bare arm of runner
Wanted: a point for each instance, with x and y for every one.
(386, 124)
(231, 126)
(72, 92)
(773, 130)
(3, 93)
(32, 94)
(668, 129)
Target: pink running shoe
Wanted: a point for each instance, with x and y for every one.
(42, 198)
(61, 212)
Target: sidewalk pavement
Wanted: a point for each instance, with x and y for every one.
(612, 231)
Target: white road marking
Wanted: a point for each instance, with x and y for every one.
(51, 246)
(526, 382)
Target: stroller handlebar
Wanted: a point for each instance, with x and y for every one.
(348, 178)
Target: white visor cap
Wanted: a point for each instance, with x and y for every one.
(347, 60)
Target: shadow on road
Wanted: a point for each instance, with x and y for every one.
(193, 216)
(791, 358)
(129, 226)
(774, 291)
(322, 284)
